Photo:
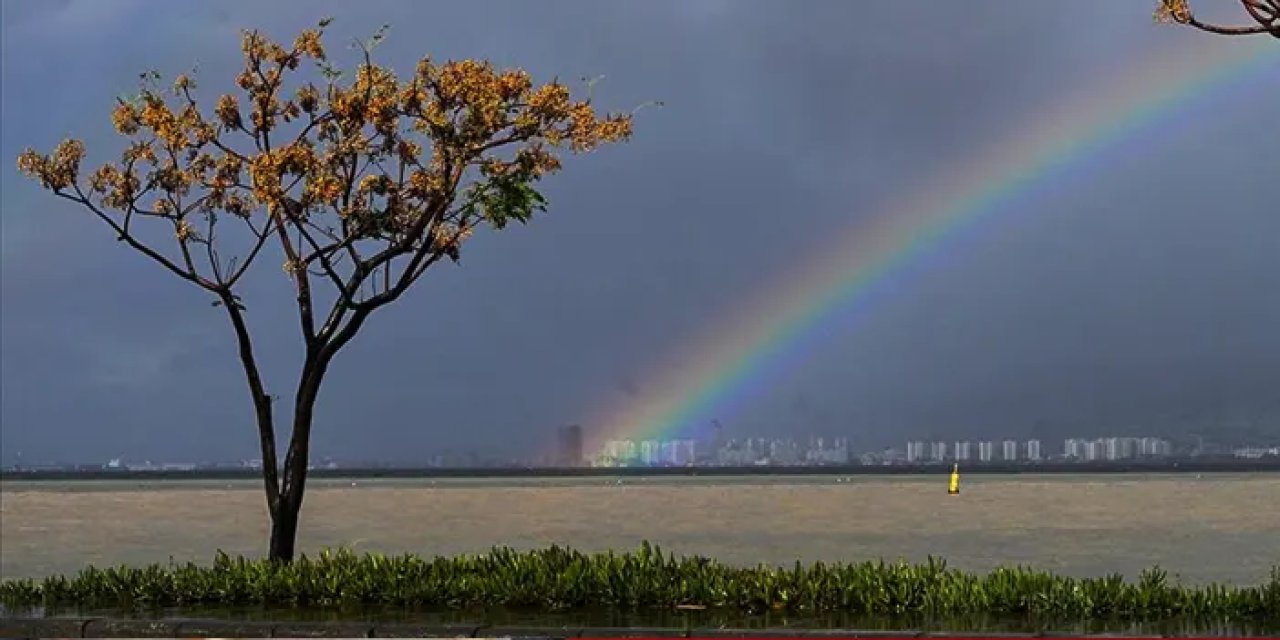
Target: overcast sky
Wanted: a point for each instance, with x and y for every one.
(1143, 289)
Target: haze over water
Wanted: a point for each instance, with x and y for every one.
(1219, 527)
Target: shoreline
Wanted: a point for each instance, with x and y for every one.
(1178, 466)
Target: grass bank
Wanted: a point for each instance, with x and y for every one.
(558, 579)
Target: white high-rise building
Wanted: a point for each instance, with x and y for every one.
(734, 453)
(759, 448)
(834, 452)
(620, 451)
(1033, 450)
(1128, 448)
(1154, 447)
(986, 451)
(915, 451)
(688, 452)
(1119, 448)
(669, 452)
(962, 451)
(839, 452)
(1073, 448)
(784, 452)
(1009, 450)
(938, 451)
(651, 452)
(1095, 450)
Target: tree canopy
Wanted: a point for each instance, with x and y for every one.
(413, 165)
(359, 184)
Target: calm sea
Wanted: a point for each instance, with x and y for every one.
(1215, 527)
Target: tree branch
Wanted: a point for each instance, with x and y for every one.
(124, 236)
(1265, 12)
(253, 253)
(302, 280)
(1229, 31)
(322, 254)
(261, 401)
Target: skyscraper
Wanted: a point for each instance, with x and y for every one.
(915, 451)
(1033, 449)
(1009, 450)
(1074, 448)
(938, 451)
(569, 446)
(986, 451)
(650, 453)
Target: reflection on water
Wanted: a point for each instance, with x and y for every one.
(692, 620)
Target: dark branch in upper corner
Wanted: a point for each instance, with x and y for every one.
(1265, 12)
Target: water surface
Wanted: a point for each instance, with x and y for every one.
(1216, 527)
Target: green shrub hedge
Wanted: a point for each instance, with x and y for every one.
(557, 579)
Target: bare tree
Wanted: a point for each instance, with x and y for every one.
(1266, 13)
(359, 186)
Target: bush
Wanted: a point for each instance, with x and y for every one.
(557, 579)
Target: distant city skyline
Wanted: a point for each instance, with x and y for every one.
(565, 446)
(718, 449)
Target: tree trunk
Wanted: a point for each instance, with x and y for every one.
(285, 487)
(284, 529)
(284, 522)
(285, 511)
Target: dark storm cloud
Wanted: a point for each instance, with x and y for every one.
(1142, 293)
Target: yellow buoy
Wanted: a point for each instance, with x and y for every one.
(953, 488)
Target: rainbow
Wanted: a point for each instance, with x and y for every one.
(712, 372)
